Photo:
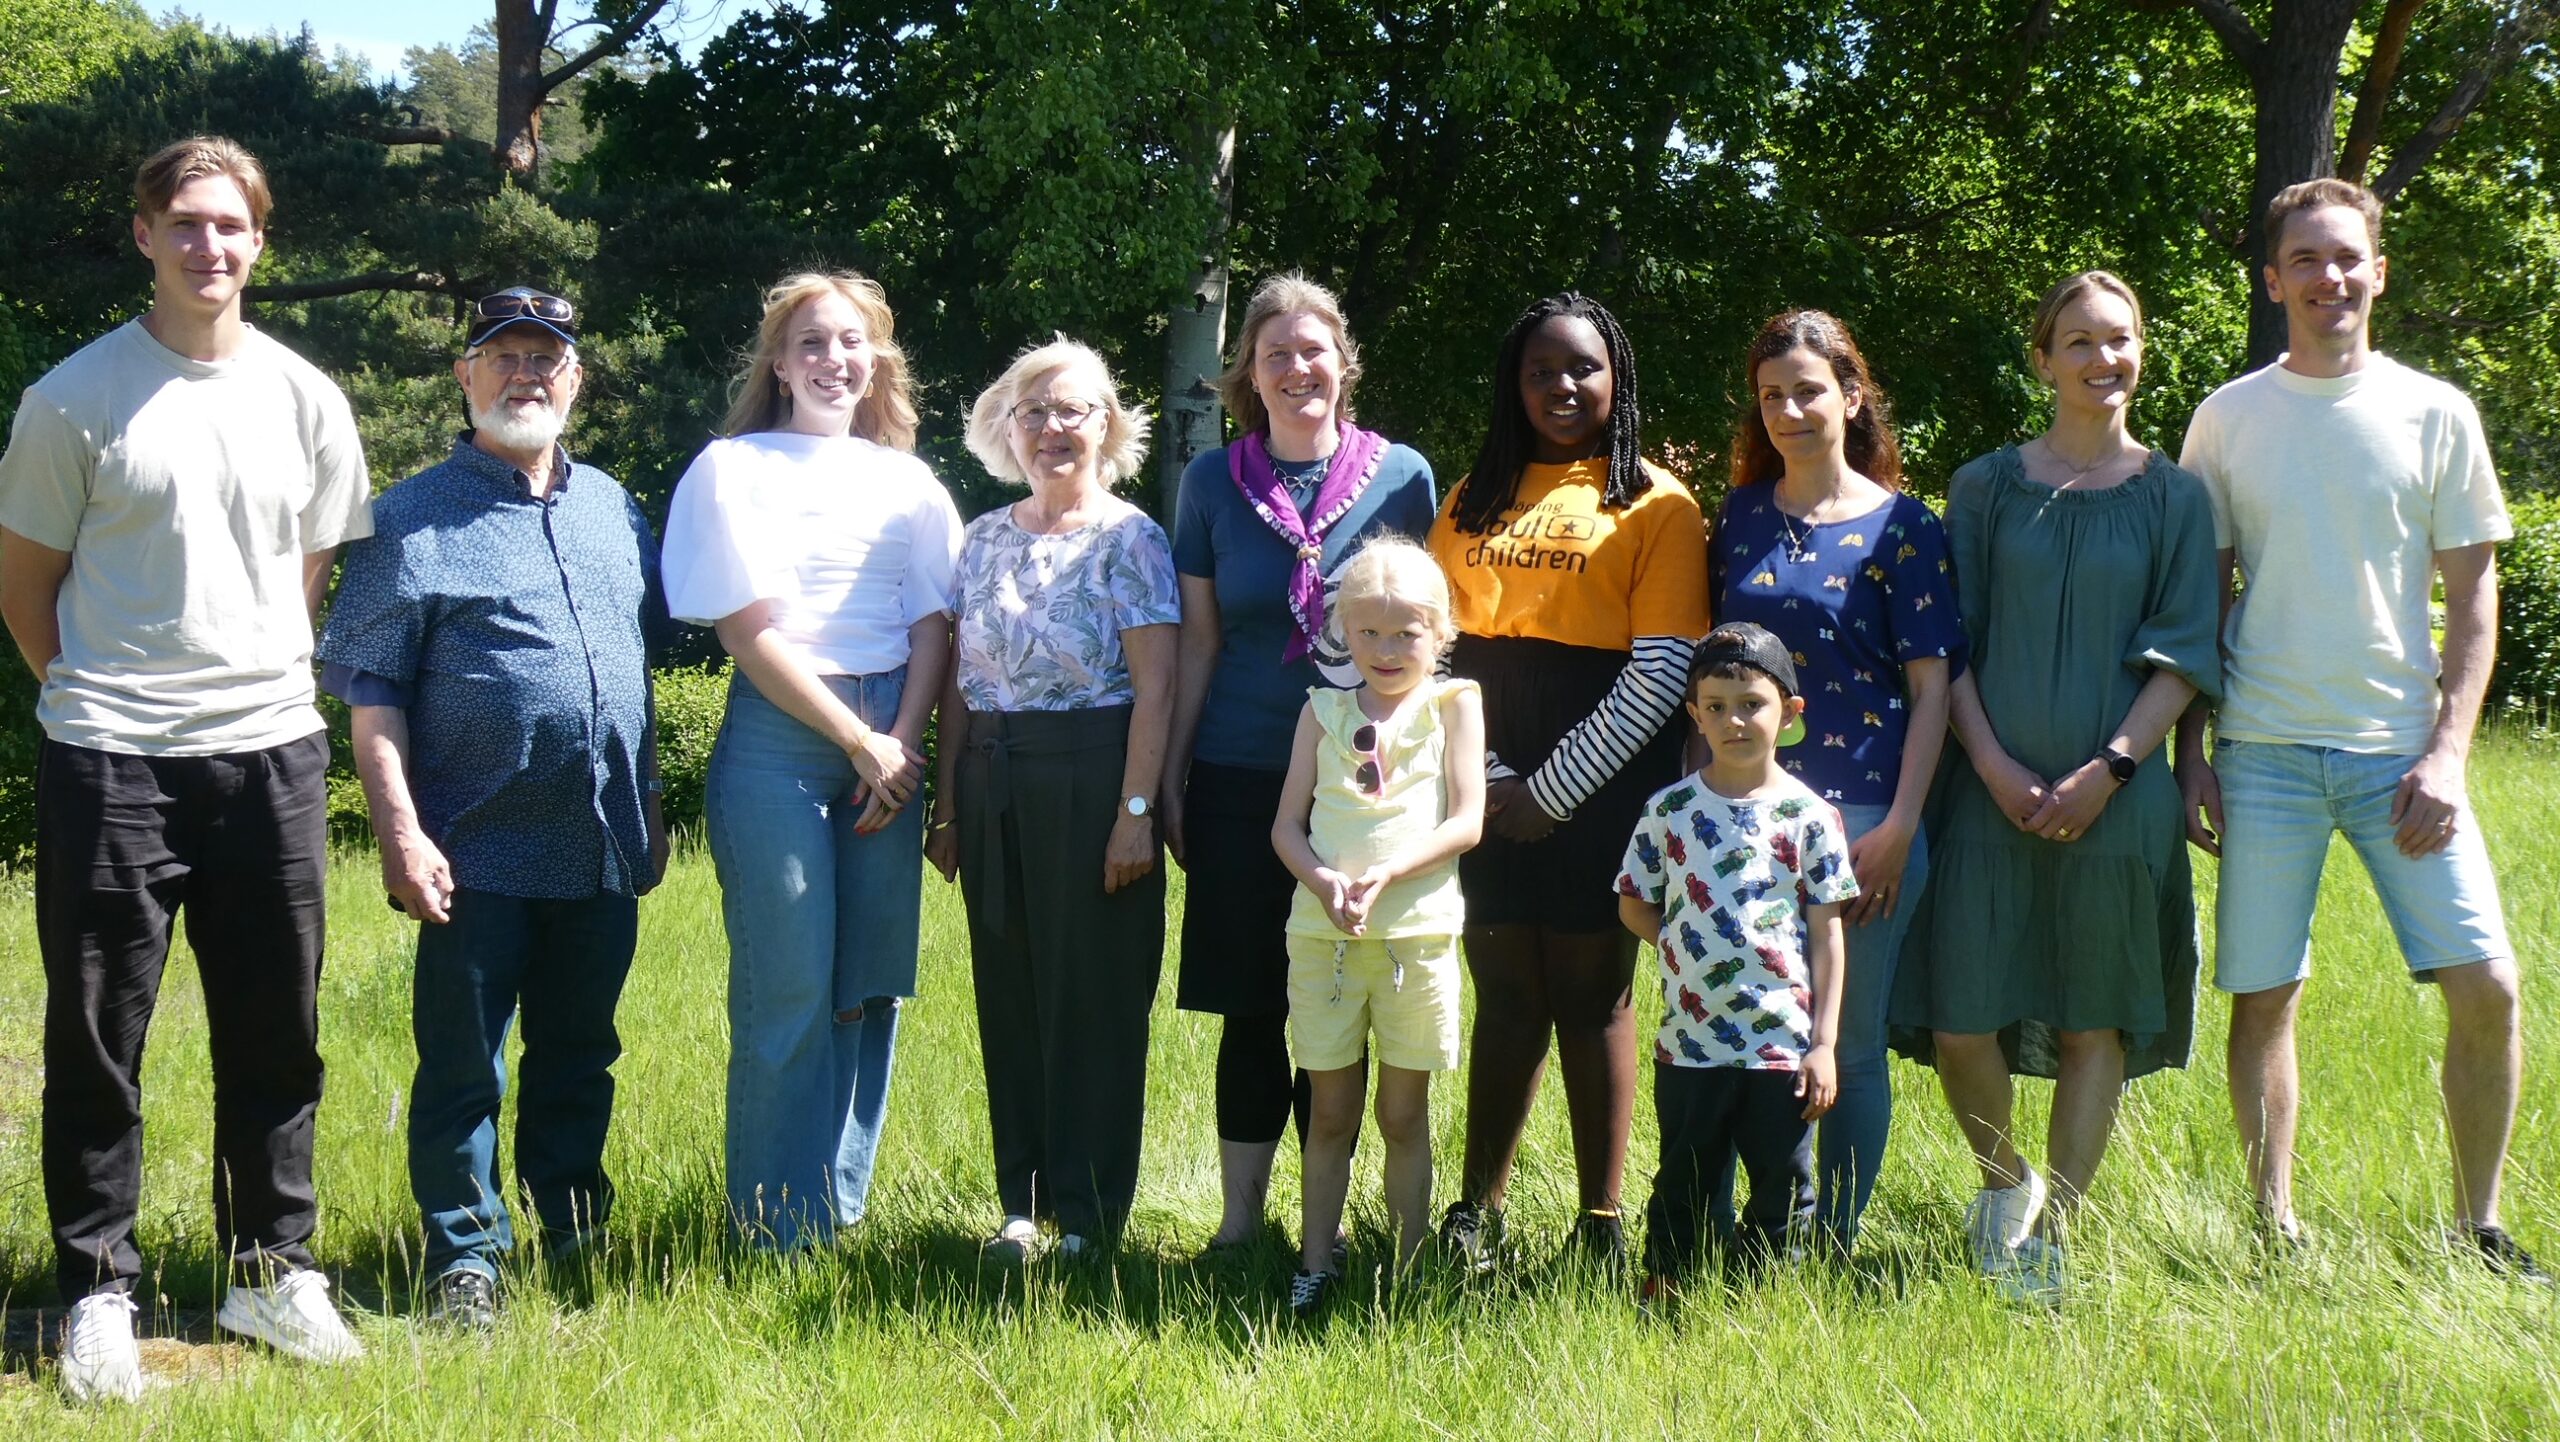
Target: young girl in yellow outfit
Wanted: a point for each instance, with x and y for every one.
(1385, 789)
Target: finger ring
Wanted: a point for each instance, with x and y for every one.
(2062, 833)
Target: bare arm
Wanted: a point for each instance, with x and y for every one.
(2199, 790)
(885, 760)
(2427, 808)
(1826, 950)
(951, 738)
(414, 869)
(1150, 653)
(1289, 829)
(1641, 917)
(1195, 656)
(1878, 856)
(31, 577)
(2075, 801)
(316, 569)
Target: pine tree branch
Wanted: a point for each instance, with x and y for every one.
(614, 41)
(415, 281)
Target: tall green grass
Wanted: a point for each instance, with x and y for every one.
(2175, 1326)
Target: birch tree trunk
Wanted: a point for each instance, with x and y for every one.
(1195, 337)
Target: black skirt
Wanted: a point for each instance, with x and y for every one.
(1534, 692)
(1236, 895)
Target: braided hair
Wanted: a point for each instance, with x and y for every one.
(1494, 481)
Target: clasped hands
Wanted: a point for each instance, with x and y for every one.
(2062, 810)
(1347, 899)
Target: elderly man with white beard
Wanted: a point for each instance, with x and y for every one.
(492, 642)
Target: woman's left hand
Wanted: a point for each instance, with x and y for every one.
(1876, 859)
(2074, 804)
(1131, 852)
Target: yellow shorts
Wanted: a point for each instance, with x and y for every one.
(1405, 990)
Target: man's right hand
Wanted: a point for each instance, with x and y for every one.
(2201, 791)
(419, 879)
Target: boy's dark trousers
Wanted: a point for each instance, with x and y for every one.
(125, 844)
(1710, 1115)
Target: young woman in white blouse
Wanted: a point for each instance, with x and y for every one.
(822, 553)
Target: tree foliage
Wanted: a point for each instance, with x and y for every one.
(1924, 168)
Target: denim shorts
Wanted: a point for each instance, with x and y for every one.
(2281, 804)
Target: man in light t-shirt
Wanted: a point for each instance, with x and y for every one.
(2343, 483)
(171, 500)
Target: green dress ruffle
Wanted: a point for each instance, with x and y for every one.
(2072, 599)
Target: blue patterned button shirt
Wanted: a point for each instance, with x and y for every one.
(514, 631)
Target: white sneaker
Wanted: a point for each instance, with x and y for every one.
(1999, 1219)
(1014, 1243)
(100, 1360)
(2035, 1274)
(294, 1316)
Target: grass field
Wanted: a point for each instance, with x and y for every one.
(2175, 1327)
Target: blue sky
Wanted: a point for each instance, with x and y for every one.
(382, 33)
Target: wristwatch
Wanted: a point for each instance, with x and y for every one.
(1134, 805)
(2119, 765)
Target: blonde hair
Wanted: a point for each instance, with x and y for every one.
(1289, 293)
(1392, 568)
(990, 435)
(2071, 288)
(157, 182)
(759, 401)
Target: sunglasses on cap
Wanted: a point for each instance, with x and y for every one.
(519, 304)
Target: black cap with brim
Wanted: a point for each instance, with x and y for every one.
(1741, 642)
(481, 333)
(527, 311)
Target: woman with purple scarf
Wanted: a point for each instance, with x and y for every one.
(1261, 528)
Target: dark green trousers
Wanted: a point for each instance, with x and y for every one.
(1066, 974)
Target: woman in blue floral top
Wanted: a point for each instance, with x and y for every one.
(1051, 757)
(1818, 542)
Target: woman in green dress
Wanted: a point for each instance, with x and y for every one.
(2058, 935)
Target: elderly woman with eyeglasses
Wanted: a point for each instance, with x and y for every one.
(1050, 760)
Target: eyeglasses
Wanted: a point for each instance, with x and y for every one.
(517, 304)
(1371, 777)
(1036, 415)
(542, 365)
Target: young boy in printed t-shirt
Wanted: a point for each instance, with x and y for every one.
(1736, 875)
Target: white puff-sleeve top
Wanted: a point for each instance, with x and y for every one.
(855, 542)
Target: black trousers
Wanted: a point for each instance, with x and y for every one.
(1711, 1116)
(1066, 974)
(124, 845)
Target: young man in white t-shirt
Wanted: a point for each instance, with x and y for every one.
(2343, 484)
(171, 500)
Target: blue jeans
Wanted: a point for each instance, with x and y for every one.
(822, 943)
(1850, 1152)
(563, 963)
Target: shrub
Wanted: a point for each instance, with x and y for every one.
(2526, 681)
(690, 702)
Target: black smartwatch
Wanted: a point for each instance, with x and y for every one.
(2119, 765)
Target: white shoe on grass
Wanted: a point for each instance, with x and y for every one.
(2000, 1219)
(100, 1360)
(294, 1316)
(2035, 1274)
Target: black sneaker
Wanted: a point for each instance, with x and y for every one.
(463, 1299)
(1472, 1235)
(2501, 1254)
(1307, 1291)
(1601, 1238)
